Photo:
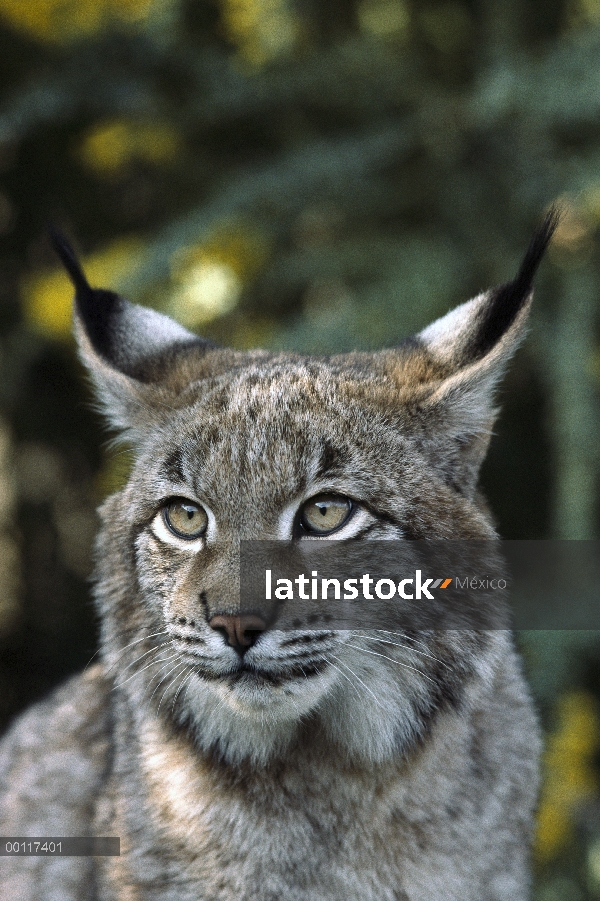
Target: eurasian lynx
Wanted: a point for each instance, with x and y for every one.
(238, 763)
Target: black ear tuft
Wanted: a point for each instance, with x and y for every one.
(68, 258)
(505, 302)
(131, 339)
(99, 309)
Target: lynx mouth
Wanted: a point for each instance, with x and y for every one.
(252, 674)
(255, 676)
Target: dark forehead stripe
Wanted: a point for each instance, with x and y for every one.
(330, 462)
(172, 468)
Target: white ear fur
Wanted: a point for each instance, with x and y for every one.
(126, 403)
(462, 406)
(446, 337)
(125, 348)
(139, 333)
(473, 344)
(490, 325)
(124, 351)
(469, 391)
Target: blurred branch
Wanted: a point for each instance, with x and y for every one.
(324, 168)
(64, 96)
(559, 88)
(575, 405)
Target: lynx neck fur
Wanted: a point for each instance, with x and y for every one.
(241, 763)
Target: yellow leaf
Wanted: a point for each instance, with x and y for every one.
(64, 20)
(108, 147)
(570, 778)
(262, 30)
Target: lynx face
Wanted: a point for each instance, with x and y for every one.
(253, 445)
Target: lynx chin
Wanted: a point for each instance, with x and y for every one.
(241, 763)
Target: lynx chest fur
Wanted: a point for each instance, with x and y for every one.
(237, 761)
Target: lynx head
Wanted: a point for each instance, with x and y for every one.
(231, 445)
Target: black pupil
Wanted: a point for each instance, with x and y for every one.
(190, 512)
(322, 508)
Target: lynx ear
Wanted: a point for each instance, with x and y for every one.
(125, 347)
(473, 344)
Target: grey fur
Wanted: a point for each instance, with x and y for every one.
(355, 766)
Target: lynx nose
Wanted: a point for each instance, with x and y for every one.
(241, 631)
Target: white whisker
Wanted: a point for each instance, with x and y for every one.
(404, 647)
(123, 649)
(181, 684)
(152, 663)
(348, 679)
(364, 685)
(157, 673)
(391, 659)
(158, 647)
(169, 674)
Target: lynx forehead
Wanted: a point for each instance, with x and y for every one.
(284, 430)
(241, 762)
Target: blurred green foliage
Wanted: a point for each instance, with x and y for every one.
(317, 175)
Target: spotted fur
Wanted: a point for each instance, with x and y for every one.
(343, 766)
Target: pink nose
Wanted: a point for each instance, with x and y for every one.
(240, 631)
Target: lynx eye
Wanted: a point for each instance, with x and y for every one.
(325, 513)
(185, 519)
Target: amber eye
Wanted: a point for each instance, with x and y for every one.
(325, 513)
(186, 519)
